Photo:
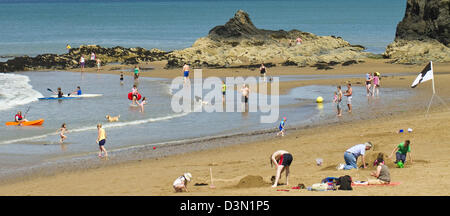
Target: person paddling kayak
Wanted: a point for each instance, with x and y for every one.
(19, 118)
(78, 91)
(59, 93)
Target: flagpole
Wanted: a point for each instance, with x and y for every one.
(434, 90)
(431, 64)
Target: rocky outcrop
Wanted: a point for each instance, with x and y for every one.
(239, 43)
(424, 33)
(71, 59)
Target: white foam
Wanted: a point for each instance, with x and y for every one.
(15, 90)
(94, 127)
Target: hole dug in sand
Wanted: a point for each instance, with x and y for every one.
(252, 181)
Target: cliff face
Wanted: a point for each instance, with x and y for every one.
(424, 33)
(426, 19)
(239, 43)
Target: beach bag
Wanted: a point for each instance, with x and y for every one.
(345, 182)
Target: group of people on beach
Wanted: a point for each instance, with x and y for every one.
(373, 80)
(98, 62)
(338, 98)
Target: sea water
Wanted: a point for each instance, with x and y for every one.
(32, 27)
(158, 124)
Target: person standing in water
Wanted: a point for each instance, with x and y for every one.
(376, 84)
(263, 71)
(82, 62)
(282, 159)
(245, 93)
(349, 94)
(338, 101)
(143, 102)
(136, 72)
(369, 79)
(101, 140)
(99, 63)
(134, 93)
(186, 72)
(121, 78)
(61, 131)
(224, 90)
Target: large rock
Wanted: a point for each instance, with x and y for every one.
(423, 35)
(71, 59)
(239, 43)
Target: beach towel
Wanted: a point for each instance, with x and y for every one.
(390, 184)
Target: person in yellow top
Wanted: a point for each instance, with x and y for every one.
(68, 47)
(224, 90)
(101, 139)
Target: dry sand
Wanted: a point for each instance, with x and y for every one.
(244, 169)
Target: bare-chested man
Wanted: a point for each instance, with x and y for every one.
(349, 93)
(282, 159)
(186, 72)
(245, 92)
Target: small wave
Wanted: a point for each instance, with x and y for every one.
(107, 125)
(15, 90)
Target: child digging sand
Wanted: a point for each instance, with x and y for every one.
(181, 182)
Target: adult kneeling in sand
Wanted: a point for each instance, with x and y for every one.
(352, 154)
(180, 183)
(282, 160)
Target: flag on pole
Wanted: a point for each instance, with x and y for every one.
(425, 75)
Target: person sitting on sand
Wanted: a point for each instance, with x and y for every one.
(143, 102)
(61, 131)
(101, 139)
(281, 127)
(352, 154)
(19, 118)
(282, 159)
(402, 150)
(382, 174)
(181, 182)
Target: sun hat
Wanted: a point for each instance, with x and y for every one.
(188, 176)
(368, 144)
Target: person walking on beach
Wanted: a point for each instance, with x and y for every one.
(338, 101)
(82, 62)
(136, 72)
(402, 150)
(349, 94)
(186, 72)
(299, 41)
(352, 154)
(376, 84)
(92, 56)
(281, 127)
(99, 63)
(181, 182)
(245, 93)
(61, 131)
(282, 159)
(369, 79)
(101, 139)
(263, 71)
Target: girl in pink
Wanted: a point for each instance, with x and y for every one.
(376, 84)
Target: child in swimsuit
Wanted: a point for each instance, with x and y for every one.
(62, 130)
(142, 104)
(281, 127)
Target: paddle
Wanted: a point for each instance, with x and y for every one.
(28, 109)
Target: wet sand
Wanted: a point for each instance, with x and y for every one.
(425, 176)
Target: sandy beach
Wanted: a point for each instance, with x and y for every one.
(250, 161)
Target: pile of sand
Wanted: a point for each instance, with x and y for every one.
(252, 181)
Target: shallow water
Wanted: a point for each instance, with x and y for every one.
(27, 146)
